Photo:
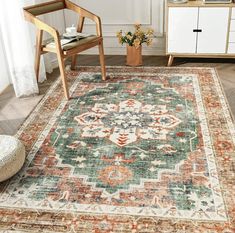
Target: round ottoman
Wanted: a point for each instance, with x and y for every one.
(12, 156)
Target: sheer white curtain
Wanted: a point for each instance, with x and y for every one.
(19, 48)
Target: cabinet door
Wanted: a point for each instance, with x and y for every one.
(213, 21)
(181, 22)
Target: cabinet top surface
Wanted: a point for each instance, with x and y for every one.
(199, 3)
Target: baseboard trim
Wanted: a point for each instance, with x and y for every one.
(115, 51)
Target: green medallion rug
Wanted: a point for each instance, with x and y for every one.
(148, 150)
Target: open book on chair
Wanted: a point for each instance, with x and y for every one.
(66, 40)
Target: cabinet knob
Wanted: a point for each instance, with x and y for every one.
(197, 30)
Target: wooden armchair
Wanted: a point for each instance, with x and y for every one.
(71, 49)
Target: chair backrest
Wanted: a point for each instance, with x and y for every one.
(46, 7)
(31, 13)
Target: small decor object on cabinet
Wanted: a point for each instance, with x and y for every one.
(178, 1)
(134, 41)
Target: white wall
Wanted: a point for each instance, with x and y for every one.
(4, 74)
(122, 14)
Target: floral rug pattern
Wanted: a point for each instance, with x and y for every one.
(148, 150)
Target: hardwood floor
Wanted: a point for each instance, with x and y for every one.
(13, 111)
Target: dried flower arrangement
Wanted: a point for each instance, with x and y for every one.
(136, 38)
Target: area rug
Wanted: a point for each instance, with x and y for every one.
(148, 150)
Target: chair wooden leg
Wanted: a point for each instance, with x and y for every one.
(102, 62)
(73, 63)
(63, 76)
(38, 53)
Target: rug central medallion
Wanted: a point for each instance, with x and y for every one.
(118, 140)
(126, 122)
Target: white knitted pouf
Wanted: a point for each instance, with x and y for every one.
(12, 156)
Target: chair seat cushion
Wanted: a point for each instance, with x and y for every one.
(73, 44)
(12, 156)
(79, 42)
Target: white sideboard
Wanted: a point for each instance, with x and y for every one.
(195, 29)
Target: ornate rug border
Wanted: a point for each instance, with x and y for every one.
(63, 103)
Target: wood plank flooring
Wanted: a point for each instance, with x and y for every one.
(13, 111)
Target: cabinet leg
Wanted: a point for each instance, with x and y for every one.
(170, 61)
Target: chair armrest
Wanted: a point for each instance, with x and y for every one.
(44, 27)
(40, 24)
(85, 14)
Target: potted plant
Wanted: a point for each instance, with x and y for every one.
(134, 41)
